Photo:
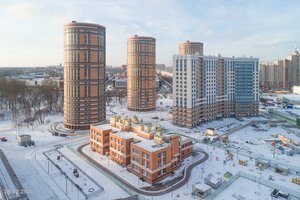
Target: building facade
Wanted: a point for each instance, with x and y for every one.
(149, 151)
(282, 74)
(209, 87)
(141, 94)
(84, 74)
(191, 48)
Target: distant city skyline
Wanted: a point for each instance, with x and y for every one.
(32, 32)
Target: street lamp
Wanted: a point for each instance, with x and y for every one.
(259, 167)
(107, 155)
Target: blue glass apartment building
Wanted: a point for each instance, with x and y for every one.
(246, 98)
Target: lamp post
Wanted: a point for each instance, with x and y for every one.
(259, 167)
(107, 155)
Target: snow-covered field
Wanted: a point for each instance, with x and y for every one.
(216, 166)
(8, 184)
(254, 141)
(245, 189)
(34, 177)
(64, 168)
(129, 177)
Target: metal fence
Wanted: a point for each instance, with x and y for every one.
(3, 191)
(256, 179)
(101, 189)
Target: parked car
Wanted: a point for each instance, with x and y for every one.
(55, 134)
(279, 195)
(63, 135)
(3, 139)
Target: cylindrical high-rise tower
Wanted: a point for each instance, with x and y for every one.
(141, 94)
(84, 75)
(191, 48)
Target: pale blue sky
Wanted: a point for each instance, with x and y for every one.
(31, 31)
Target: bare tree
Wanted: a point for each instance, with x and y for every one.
(41, 114)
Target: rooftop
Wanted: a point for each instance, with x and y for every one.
(148, 145)
(183, 138)
(202, 186)
(215, 180)
(104, 127)
(291, 97)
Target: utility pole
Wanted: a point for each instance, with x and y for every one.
(66, 184)
(48, 165)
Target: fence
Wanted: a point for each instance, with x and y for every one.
(291, 131)
(253, 178)
(273, 163)
(115, 180)
(101, 189)
(63, 173)
(3, 191)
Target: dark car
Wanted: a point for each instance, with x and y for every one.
(55, 134)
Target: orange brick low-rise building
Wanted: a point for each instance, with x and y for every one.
(149, 151)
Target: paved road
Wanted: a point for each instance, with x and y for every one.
(187, 174)
(14, 178)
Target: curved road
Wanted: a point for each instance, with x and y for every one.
(187, 174)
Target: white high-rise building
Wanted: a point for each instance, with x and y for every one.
(208, 87)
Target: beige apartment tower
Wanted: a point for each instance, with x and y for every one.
(141, 94)
(84, 75)
(191, 48)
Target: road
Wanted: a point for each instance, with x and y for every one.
(13, 177)
(187, 174)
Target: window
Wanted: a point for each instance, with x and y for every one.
(145, 173)
(161, 172)
(136, 168)
(146, 156)
(135, 151)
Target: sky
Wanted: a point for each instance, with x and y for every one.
(31, 31)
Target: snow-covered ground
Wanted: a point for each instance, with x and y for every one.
(22, 161)
(8, 184)
(163, 108)
(34, 177)
(64, 168)
(129, 177)
(216, 166)
(254, 141)
(245, 189)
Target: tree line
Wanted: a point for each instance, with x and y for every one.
(28, 104)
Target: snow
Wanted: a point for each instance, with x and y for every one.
(86, 183)
(216, 166)
(202, 187)
(259, 146)
(295, 112)
(291, 97)
(114, 167)
(26, 162)
(30, 172)
(103, 127)
(150, 145)
(245, 189)
(8, 184)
